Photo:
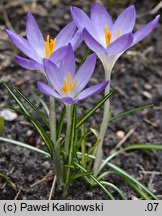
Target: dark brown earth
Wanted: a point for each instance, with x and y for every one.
(137, 76)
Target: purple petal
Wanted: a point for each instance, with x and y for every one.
(68, 63)
(82, 20)
(145, 30)
(58, 55)
(23, 45)
(53, 74)
(34, 35)
(65, 35)
(68, 100)
(93, 44)
(76, 40)
(92, 90)
(100, 18)
(28, 64)
(125, 22)
(45, 89)
(84, 73)
(120, 45)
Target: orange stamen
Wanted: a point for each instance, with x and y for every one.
(49, 46)
(107, 35)
(68, 84)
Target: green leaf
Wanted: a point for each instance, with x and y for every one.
(123, 174)
(8, 181)
(38, 127)
(96, 107)
(123, 114)
(130, 148)
(44, 105)
(1, 124)
(60, 123)
(82, 169)
(24, 145)
(41, 115)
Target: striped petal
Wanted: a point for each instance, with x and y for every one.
(84, 73)
(92, 90)
(65, 35)
(45, 89)
(145, 30)
(28, 64)
(23, 45)
(34, 35)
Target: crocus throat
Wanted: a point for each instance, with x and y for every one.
(108, 35)
(69, 85)
(49, 46)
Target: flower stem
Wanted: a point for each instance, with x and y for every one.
(104, 124)
(68, 119)
(52, 120)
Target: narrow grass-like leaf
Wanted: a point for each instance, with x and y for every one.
(130, 148)
(8, 181)
(115, 188)
(1, 124)
(82, 169)
(96, 107)
(24, 145)
(123, 174)
(60, 123)
(42, 102)
(123, 114)
(38, 127)
(41, 115)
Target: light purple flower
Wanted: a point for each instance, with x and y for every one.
(107, 39)
(66, 84)
(36, 48)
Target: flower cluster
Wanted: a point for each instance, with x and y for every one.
(55, 57)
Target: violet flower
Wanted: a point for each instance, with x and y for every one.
(107, 39)
(66, 84)
(36, 48)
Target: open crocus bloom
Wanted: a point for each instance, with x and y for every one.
(36, 48)
(107, 39)
(66, 85)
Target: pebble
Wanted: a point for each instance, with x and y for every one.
(147, 86)
(146, 94)
(8, 115)
(29, 133)
(46, 165)
(120, 134)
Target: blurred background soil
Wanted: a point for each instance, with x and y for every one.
(137, 75)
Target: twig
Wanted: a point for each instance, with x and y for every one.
(52, 191)
(48, 177)
(18, 193)
(153, 11)
(121, 142)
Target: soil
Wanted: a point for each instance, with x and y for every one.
(137, 75)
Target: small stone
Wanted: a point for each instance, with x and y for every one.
(146, 94)
(29, 133)
(120, 134)
(148, 86)
(30, 178)
(8, 115)
(19, 83)
(46, 165)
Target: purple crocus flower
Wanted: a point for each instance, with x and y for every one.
(107, 39)
(66, 84)
(36, 48)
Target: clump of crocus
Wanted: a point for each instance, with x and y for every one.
(109, 40)
(66, 84)
(36, 48)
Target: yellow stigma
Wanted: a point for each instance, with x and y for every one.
(118, 34)
(68, 84)
(49, 46)
(107, 35)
